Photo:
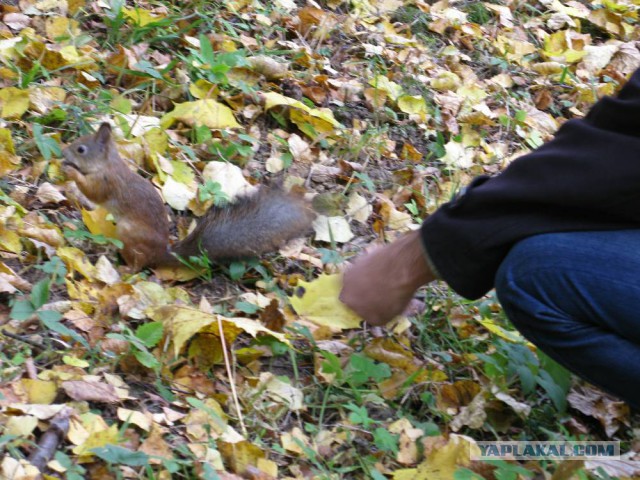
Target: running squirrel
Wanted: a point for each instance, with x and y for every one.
(253, 225)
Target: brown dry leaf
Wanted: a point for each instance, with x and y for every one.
(11, 282)
(16, 21)
(315, 20)
(90, 391)
(612, 414)
(457, 394)
(472, 415)
(48, 193)
(272, 317)
(268, 66)
(281, 391)
(619, 468)
(156, 446)
(37, 228)
(389, 351)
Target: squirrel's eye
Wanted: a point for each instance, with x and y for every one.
(82, 149)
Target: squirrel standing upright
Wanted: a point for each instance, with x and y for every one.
(254, 225)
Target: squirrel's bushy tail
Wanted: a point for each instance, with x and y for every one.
(253, 225)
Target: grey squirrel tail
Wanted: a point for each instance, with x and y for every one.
(253, 225)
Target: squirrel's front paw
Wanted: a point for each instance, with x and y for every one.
(70, 171)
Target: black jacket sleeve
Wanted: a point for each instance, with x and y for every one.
(587, 178)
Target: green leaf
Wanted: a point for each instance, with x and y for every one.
(375, 475)
(206, 50)
(362, 368)
(557, 395)
(116, 455)
(54, 267)
(146, 359)
(236, 270)
(47, 145)
(560, 375)
(466, 474)
(385, 441)
(21, 310)
(150, 333)
(40, 293)
(246, 307)
(332, 364)
(359, 415)
(51, 320)
(49, 315)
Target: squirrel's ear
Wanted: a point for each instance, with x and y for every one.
(103, 135)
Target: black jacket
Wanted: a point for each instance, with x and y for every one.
(586, 178)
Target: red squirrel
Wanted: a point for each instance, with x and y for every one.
(253, 225)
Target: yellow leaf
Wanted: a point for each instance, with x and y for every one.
(75, 361)
(509, 335)
(294, 441)
(240, 456)
(392, 89)
(157, 140)
(201, 112)
(137, 418)
(61, 27)
(76, 260)
(413, 104)
(446, 81)
(273, 99)
(140, 16)
(177, 194)
(547, 68)
(318, 302)
(514, 50)
(203, 89)
(40, 391)
(442, 462)
(268, 466)
(97, 222)
(182, 323)
(9, 161)
(43, 99)
(320, 120)
(564, 46)
(14, 102)
(70, 55)
(20, 425)
(97, 438)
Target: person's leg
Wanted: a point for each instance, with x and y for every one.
(577, 297)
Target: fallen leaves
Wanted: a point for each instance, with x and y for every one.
(318, 302)
(205, 112)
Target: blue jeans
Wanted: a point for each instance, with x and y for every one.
(577, 297)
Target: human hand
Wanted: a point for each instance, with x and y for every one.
(380, 284)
